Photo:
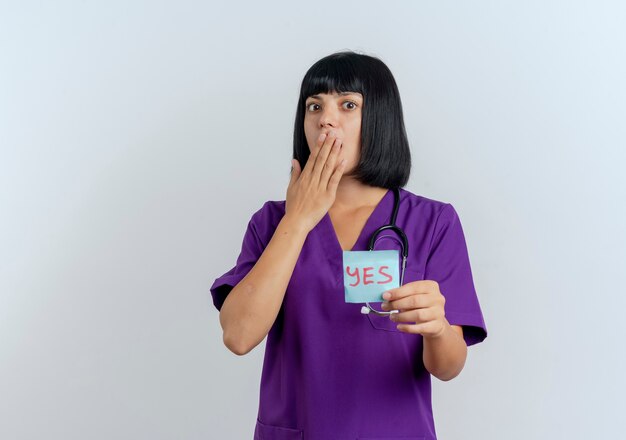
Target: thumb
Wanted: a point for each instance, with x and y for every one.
(295, 170)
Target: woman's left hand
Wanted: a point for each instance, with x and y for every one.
(421, 304)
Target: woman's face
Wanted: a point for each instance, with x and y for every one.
(339, 113)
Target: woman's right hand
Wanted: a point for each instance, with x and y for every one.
(311, 191)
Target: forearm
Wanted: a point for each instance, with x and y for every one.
(444, 356)
(250, 309)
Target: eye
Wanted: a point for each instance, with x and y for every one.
(352, 103)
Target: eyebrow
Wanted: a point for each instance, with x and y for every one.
(340, 94)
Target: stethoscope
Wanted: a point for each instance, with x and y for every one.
(405, 248)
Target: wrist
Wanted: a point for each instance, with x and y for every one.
(293, 225)
(443, 333)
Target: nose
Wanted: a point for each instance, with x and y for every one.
(328, 118)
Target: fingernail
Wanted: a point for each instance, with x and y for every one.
(386, 295)
(322, 136)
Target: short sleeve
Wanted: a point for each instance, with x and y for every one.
(252, 247)
(448, 264)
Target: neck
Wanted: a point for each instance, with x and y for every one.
(352, 194)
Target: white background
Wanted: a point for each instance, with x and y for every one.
(137, 139)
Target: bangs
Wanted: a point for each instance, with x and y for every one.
(332, 75)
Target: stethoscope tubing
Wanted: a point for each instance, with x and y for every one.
(405, 248)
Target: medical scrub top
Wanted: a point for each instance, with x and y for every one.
(330, 372)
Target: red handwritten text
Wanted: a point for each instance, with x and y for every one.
(363, 275)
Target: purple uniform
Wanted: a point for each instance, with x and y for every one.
(329, 371)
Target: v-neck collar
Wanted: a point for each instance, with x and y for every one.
(379, 216)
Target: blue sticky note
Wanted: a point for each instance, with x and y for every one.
(367, 274)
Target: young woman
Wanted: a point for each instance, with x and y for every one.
(330, 370)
